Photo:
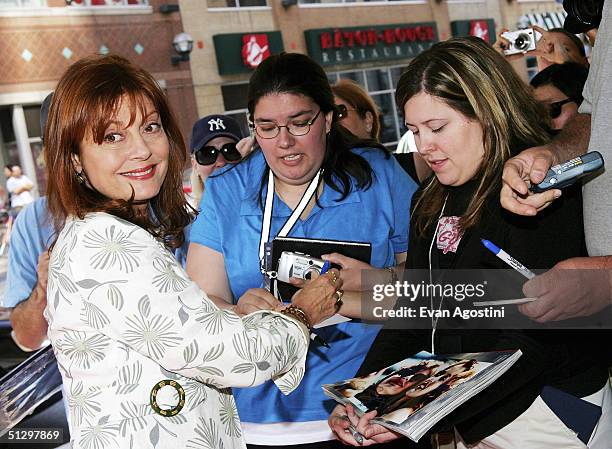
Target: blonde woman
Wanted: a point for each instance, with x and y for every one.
(470, 113)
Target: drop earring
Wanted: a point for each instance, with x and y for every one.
(80, 177)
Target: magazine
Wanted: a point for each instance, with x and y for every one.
(411, 396)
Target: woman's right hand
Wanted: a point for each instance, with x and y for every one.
(319, 298)
(352, 271)
(341, 418)
(339, 423)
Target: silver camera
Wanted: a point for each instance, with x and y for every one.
(297, 265)
(521, 41)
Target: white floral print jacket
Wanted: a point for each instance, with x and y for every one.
(123, 316)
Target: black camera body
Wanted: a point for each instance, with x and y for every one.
(584, 15)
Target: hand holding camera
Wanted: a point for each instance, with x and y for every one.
(298, 265)
(320, 298)
(516, 43)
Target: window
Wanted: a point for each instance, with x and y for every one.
(22, 3)
(236, 3)
(310, 2)
(235, 103)
(380, 84)
(108, 2)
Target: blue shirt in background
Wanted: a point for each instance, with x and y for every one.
(31, 235)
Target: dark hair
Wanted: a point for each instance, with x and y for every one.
(569, 78)
(357, 97)
(295, 73)
(84, 103)
(467, 365)
(472, 78)
(575, 39)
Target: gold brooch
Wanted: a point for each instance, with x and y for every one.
(171, 411)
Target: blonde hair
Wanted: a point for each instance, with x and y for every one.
(473, 79)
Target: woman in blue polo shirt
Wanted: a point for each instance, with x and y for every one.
(356, 193)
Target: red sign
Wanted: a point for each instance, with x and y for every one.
(372, 37)
(480, 28)
(255, 49)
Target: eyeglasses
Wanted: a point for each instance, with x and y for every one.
(208, 155)
(343, 111)
(556, 107)
(271, 130)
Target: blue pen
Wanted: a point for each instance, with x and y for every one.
(503, 255)
(326, 266)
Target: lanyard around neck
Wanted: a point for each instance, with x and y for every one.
(293, 218)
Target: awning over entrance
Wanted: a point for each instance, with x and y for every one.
(546, 20)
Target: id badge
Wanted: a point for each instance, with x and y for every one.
(267, 262)
(266, 267)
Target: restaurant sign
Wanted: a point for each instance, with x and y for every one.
(243, 52)
(330, 46)
(482, 28)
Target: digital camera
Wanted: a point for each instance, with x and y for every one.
(297, 265)
(521, 41)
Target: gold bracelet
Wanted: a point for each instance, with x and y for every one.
(298, 314)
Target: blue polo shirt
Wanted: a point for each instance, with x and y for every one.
(32, 234)
(230, 222)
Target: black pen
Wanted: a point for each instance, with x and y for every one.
(316, 338)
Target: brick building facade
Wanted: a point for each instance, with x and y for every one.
(39, 41)
(220, 29)
(40, 38)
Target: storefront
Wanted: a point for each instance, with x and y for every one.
(20, 135)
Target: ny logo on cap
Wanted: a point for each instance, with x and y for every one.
(216, 124)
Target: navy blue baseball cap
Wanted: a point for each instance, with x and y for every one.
(211, 126)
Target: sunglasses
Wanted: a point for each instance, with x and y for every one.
(556, 107)
(343, 111)
(208, 155)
